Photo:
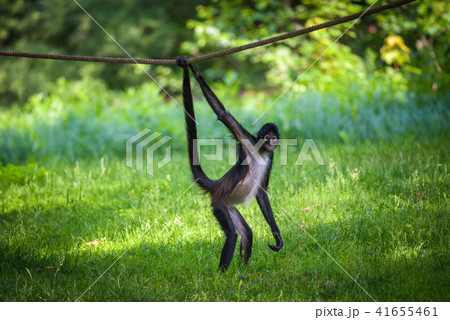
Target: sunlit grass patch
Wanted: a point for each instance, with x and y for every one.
(366, 207)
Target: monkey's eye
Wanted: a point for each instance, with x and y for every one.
(266, 138)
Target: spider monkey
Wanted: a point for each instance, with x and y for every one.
(248, 178)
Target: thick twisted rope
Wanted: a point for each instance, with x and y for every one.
(211, 55)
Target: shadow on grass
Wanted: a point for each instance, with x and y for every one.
(396, 252)
(58, 267)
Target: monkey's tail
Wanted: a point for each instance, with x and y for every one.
(191, 135)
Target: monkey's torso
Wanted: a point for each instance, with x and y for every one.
(247, 188)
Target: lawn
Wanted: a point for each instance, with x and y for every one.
(96, 230)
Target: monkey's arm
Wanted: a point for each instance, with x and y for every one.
(264, 204)
(225, 117)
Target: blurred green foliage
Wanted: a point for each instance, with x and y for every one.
(144, 28)
(422, 25)
(166, 29)
(384, 77)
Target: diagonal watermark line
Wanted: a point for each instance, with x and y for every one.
(146, 231)
(129, 55)
(323, 249)
(123, 49)
(315, 61)
(316, 242)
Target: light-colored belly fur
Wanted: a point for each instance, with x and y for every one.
(247, 189)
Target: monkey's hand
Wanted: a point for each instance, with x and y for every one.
(181, 61)
(279, 241)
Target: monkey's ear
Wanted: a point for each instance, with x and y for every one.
(182, 61)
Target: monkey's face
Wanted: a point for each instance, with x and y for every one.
(270, 141)
(270, 135)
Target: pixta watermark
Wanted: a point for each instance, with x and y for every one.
(140, 151)
(148, 142)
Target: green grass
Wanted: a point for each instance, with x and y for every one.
(379, 206)
(371, 218)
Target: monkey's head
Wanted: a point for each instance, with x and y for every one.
(270, 134)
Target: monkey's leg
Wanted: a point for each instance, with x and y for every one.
(264, 204)
(246, 234)
(223, 216)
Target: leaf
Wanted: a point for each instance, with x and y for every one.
(419, 196)
(300, 245)
(309, 208)
(395, 51)
(93, 243)
(303, 225)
